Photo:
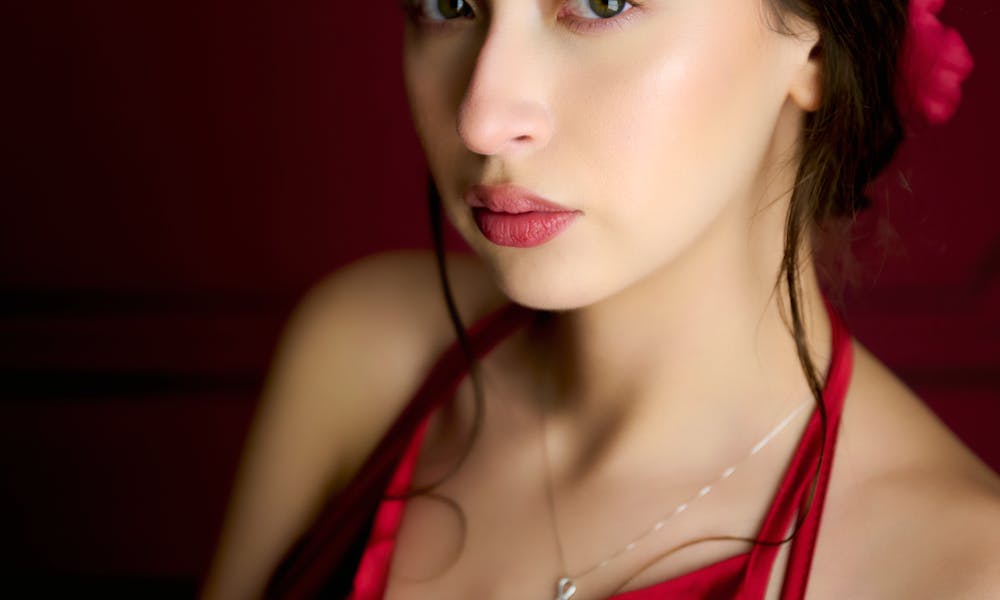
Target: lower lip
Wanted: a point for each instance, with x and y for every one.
(524, 230)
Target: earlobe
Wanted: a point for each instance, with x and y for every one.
(806, 87)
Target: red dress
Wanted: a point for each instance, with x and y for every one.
(347, 552)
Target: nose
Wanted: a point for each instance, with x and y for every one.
(504, 109)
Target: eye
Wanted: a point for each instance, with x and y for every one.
(451, 9)
(579, 14)
(438, 10)
(606, 9)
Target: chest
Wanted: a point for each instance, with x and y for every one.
(492, 529)
(484, 531)
(506, 563)
(489, 532)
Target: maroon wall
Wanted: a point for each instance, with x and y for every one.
(175, 174)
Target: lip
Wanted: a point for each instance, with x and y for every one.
(510, 199)
(509, 215)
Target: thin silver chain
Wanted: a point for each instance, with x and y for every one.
(566, 584)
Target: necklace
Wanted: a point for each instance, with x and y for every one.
(566, 584)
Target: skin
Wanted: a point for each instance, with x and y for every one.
(667, 357)
(677, 250)
(675, 136)
(675, 253)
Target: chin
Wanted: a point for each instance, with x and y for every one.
(546, 298)
(543, 281)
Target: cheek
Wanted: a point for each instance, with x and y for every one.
(425, 94)
(669, 131)
(433, 74)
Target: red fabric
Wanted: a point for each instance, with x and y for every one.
(743, 576)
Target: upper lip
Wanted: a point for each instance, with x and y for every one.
(510, 199)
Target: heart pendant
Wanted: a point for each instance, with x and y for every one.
(566, 589)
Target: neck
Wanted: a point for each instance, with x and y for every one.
(697, 353)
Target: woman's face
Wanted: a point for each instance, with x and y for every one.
(655, 122)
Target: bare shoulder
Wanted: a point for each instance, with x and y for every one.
(911, 512)
(352, 353)
(380, 323)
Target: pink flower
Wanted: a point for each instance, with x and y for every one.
(935, 62)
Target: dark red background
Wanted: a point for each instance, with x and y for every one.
(175, 174)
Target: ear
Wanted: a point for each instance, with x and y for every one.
(806, 87)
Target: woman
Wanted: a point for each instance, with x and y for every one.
(654, 399)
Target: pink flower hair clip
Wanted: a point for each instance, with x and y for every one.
(935, 62)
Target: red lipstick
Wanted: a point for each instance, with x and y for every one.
(509, 215)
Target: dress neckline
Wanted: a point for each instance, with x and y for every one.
(746, 573)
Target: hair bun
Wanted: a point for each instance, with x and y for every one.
(935, 62)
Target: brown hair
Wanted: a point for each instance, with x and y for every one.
(843, 146)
